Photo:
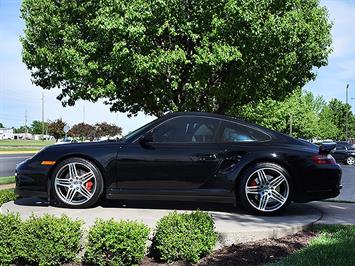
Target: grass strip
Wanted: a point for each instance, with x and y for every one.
(334, 246)
(7, 180)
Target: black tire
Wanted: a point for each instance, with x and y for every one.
(57, 193)
(249, 174)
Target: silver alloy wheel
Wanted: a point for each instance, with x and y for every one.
(267, 189)
(350, 160)
(71, 183)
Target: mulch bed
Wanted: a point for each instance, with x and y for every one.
(251, 253)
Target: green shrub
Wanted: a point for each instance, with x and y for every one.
(10, 225)
(185, 236)
(7, 195)
(116, 243)
(49, 240)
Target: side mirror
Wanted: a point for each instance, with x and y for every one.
(146, 138)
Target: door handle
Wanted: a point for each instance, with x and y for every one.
(208, 157)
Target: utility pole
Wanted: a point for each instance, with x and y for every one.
(26, 131)
(42, 115)
(347, 113)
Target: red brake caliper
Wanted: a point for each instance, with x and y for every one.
(89, 185)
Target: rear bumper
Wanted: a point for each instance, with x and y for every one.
(321, 182)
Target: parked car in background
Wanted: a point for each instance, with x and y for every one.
(66, 141)
(344, 152)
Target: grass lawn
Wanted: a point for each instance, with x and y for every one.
(334, 246)
(7, 180)
(23, 145)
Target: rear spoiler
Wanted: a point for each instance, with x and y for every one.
(326, 148)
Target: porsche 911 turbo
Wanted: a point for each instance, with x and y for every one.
(191, 156)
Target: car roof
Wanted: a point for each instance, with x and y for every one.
(220, 116)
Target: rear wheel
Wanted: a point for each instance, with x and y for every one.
(265, 189)
(77, 183)
(350, 160)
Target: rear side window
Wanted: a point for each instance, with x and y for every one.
(234, 132)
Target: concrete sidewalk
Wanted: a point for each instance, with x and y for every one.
(233, 225)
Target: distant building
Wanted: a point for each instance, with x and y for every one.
(27, 136)
(6, 133)
(39, 137)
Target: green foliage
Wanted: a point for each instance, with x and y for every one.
(303, 114)
(1, 125)
(298, 113)
(7, 195)
(22, 129)
(49, 240)
(157, 56)
(36, 127)
(55, 128)
(185, 236)
(10, 225)
(334, 246)
(116, 243)
(339, 112)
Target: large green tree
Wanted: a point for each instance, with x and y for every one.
(168, 55)
(1, 125)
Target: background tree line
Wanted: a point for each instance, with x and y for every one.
(80, 130)
(302, 115)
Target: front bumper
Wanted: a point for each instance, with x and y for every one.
(32, 180)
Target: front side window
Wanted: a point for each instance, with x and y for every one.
(234, 132)
(187, 129)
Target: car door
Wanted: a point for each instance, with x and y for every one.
(182, 156)
(339, 153)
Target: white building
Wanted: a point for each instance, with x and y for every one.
(6, 133)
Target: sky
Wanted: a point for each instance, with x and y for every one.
(18, 96)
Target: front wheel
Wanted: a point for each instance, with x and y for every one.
(350, 160)
(265, 188)
(77, 183)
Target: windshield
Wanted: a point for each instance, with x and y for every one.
(138, 130)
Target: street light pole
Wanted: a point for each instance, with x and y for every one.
(347, 113)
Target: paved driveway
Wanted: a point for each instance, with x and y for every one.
(348, 181)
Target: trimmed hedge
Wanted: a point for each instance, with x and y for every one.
(10, 226)
(49, 240)
(185, 236)
(116, 243)
(7, 195)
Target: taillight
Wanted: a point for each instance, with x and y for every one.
(323, 159)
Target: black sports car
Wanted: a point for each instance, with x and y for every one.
(186, 156)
